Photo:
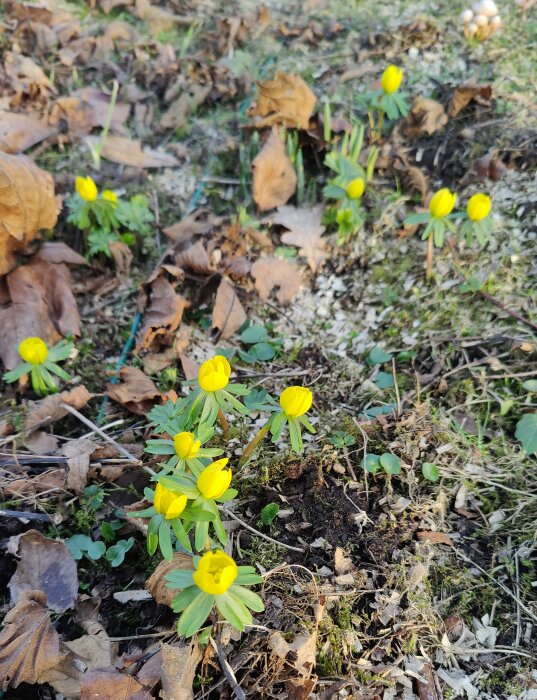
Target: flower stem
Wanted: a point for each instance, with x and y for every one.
(254, 442)
(429, 259)
(224, 423)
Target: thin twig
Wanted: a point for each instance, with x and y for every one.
(226, 668)
(256, 532)
(503, 307)
(25, 515)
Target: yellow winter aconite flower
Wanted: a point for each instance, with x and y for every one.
(478, 207)
(214, 480)
(169, 504)
(214, 374)
(442, 203)
(34, 351)
(295, 401)
(86, 188)
(186, 445)
(355, 188)
(215, 573)
(391, 79)
(110, 196)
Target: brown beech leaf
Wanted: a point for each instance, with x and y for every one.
(47, 482)
(464, 94)
(45, 565)
(163, 315)
(78, 453)
(59, 252)
(416, 181)
(274, 178)
(158, 19)
(200, 222)
(110, 684)
(435, 537)
(228, 312)
(42, 305)
(41, 443)
(49, 410)
(21, 131)
(286, 99)
(136, 392)
(26, 76)
(195, 258)
(156, 584)
(305, 232)
(125, 151)
(426, 117)
(86, 109)
(122, 256)
(179, 664)
(273, 273)
(180, 110)
(27, 204)
(29, 644)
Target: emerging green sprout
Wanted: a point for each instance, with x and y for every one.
(39, 361)
(215, 580)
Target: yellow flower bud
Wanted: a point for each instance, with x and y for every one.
(168, 503)
(442, 203)
(33, 351)
(214, 480)
(215, 573)
(296, 400)
(391, 79)
(355, 188)
(478, 207)
(86, 188)
(110, 196)
(214, 374)
(186, 445)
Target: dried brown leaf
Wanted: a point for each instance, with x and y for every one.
(435, 537)
(122, 256)
(179, 663)
(59, 252)
(41, 443)
(86, 109)
(46, 482)
(426, 117)
(195, 258)
(21, 131)
(26, 76)
(136, 392)
(29, 644)
(109, 684)
(416, 181)
(305, 232)
(201, 222)
(125, 151)
(156, 584)
(163, 315)
(274, 178)
(45, 565)
(228, 312)
(158, 19)
(181, 109)
(464, 94)
(78, 453)
(27, 204)
(274, 273)
(49, 410)
(286, 99)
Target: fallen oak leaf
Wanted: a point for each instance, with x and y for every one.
(286, 99)
(464, 94)
(270, 273)
(49, 410)
(29, 644)
(305, 232)
(135, 391)
(228, 312)
(274, 178)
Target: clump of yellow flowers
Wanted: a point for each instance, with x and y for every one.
(192, 488)
(40, 362)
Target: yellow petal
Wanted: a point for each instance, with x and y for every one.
(296, 401)
(478, 207)
(391, 79)
(214, 374)
(33, 350)
(86, 188)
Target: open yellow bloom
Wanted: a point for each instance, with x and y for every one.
(214, 480)
(33, 350)
(215, 573)
(168, 503)
(391, 79)
(110, 196)
(186, 445)
(355, 188)
(442, 203)
(86, 188)
(478, 207)
(214, 374)
(296, 400)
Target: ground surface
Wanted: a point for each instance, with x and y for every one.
(404, 588)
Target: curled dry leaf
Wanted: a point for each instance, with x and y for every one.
(228, 312)
(49, 410)
(272, 273)
(286, 99)
(26, 76)
(179, 663)
(156, 584)
(136, 392)
(58, 252)
(27, 204)
(426, 117)
(201, 222)
(302, 650)
(125, 151)
(305, 232)
(29, 644)
(21, 131)
(78, 453)
(163, 315)
(464, 94)
(274, 179)
(195, 258)
(45, 565)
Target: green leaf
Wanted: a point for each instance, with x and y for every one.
(179, 578)
(526, 432)
(295, 435)
(530, 385)
(249, 598)
(371, 463)
(165, 540)
(430, 471)
(78, 544)
(378, 356)
(233, 610)
(228, 495)
(262, 352)
(390, 463)
(195, 614)
(116, 553)
(254, 334)
(200, 535)
(384, 380)
(181, 535)
(342, 439)
(96, 550)
(183, 599)
(420, 218)
(268, 513)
